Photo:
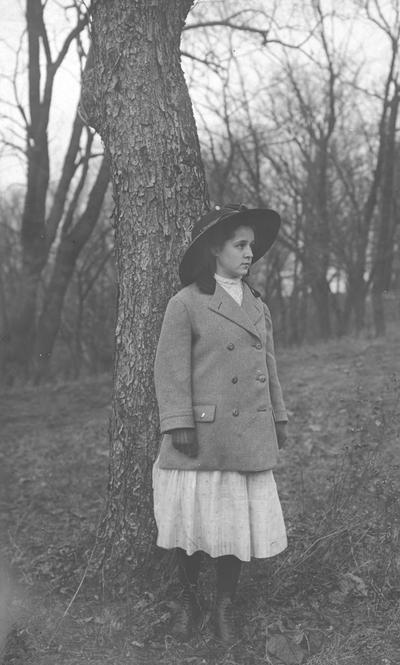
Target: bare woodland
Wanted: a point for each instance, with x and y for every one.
(179, 106)
(314, 137)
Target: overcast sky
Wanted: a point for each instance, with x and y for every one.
(362, 40)
(66, 89)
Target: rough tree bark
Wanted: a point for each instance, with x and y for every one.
(137, 99)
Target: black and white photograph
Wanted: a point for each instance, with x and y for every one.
(199, 332)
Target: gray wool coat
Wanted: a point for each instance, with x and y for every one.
(215, 371)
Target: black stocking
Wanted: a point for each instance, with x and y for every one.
(228, 571)
(189, 567)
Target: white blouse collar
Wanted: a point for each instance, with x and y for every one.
(227, 280)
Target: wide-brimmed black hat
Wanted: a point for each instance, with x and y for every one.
(265, 222)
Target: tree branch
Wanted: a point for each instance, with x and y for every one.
(68, 171)
(33, 20)
(45, 38)
(14, 146)
(78, 190)
(216, 67)
(202, 24)
(263, 33)
(74, 33)
(92, 280)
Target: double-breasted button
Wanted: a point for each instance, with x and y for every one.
(258, 345)
(261, 378)
(230, 346)
(235, 412)
(234, 379)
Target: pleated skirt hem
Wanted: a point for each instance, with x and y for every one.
(219, 512)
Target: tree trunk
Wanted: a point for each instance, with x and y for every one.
(378, 312)
(357, 288)
(137, 99)
(317, 238)
(385, 230)
(321, 294)
(36, 238)
(33, 238)
(71, 244)
(68, 171)
(77, 333)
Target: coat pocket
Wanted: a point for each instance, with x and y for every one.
(204, 413)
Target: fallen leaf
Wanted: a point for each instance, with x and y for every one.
(297, 636)
(285, 649)
(351, 583)
(315, 641)
(308, 445)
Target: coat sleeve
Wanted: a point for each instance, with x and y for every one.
(172, 370)
(278, 405)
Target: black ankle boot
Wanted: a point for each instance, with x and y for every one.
(225, 628)
(187, 615)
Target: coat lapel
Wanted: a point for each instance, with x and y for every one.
(245, 316)
(252, 306)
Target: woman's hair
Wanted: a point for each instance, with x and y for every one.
(206, 261)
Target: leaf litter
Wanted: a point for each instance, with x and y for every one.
(319, 602)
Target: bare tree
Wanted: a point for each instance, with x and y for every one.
(322, 147)
(85, 342)
(44, 210)
(73, 239)
(136, 85)
(387, 18)
(33, 227)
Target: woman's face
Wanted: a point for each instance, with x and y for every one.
(234, 258)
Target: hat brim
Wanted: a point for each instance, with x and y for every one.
(266, 225)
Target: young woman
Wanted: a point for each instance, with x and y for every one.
(222, 413)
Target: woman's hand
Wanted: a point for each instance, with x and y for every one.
(185, 440)
(281, 432)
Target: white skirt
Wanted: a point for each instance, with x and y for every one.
(218, 512)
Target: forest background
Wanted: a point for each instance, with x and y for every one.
(297, 109)
(294, 110)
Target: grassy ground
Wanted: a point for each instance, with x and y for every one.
(331, 599)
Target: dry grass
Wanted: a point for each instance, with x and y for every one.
(335, 591)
